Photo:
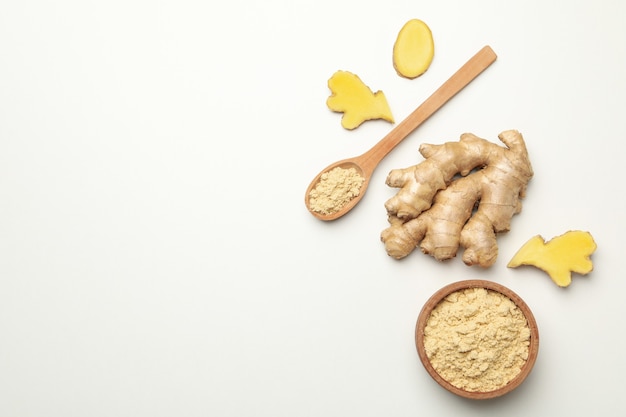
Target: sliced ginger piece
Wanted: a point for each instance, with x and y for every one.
(559, 257)
(356, 101)
(414, 49)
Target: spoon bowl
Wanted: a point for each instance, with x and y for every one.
(355, 163)
(366, 163)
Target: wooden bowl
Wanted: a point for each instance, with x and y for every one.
(533, 347)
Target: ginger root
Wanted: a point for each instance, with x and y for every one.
(356, 101)
(461, 195)
(414, 49)
(559, 257)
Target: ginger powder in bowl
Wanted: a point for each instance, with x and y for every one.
(477, 339)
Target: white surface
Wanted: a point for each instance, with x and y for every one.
(156, 258)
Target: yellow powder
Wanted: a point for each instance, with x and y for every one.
(477, 339)
(335, 189)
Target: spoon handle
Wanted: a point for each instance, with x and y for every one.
(470, 70)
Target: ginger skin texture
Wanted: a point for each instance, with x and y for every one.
(462, 194)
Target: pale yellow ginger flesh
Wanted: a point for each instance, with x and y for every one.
(356, 101)
(462, 194)
(414, 49)
(559, 257)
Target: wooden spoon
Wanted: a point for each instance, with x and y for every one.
(367, 162)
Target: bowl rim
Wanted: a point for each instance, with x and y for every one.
(433, 301)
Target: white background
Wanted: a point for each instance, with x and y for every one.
(156, 257)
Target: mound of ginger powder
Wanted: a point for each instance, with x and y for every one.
(336, 188)
(477, 339)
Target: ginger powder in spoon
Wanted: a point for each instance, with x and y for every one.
(335, 189)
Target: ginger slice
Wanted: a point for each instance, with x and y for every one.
(461, 195)
(559, 257)
(356, 101)
(414, 49)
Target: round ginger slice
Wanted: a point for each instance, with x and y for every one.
(414, 49)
